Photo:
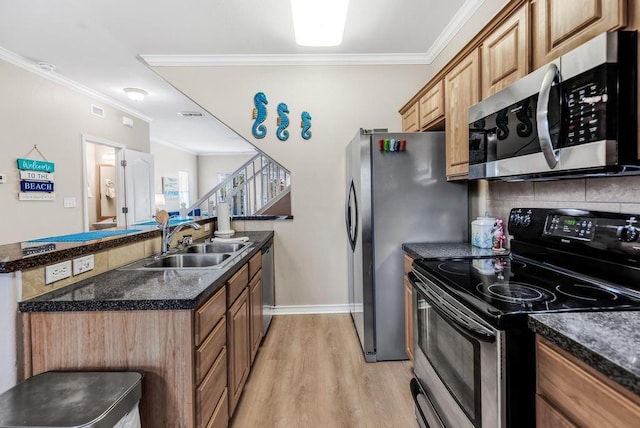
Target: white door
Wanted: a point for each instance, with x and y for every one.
(139, 187)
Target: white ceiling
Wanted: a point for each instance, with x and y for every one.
(99, 45)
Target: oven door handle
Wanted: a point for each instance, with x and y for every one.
(456, 319)
(417, 391)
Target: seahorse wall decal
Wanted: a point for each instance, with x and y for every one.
(283, 122)
(305, 124)
(260, 115)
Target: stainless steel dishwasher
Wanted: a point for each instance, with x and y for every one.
(268, 285)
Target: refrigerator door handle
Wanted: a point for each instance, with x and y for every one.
(352, 217)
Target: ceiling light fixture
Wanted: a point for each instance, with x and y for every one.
(319, 22)
(136, 94)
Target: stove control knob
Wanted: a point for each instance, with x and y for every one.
(526, 220)
(627, 233)
(517, 219)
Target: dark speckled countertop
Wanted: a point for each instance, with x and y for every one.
(447, 250)
(607, 341)
(126, 289)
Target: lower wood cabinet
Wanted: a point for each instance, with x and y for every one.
(569, 393)
(196, 362)
(239, 350)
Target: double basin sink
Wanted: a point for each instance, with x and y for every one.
(214, 255)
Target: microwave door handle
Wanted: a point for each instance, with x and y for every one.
(417, 391)
(456, 321)
(542, 115)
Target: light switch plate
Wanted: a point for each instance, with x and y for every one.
(69, 202)
(3, 178)
(57, 272)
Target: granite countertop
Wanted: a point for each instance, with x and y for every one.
(127, 289)
(607, 341)
(448, 250)
(30, 254)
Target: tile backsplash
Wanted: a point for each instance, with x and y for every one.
(615, 194)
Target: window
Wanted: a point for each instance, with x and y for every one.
(183, 187)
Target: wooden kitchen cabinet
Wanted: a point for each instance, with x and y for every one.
(570, 393)
(561, 25)
(182, 353)
(462, 86)
(411, 119)
(408, 308)
(505, 53)
(239, 350)
(431, 106)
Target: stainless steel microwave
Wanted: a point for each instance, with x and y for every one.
(574, 117)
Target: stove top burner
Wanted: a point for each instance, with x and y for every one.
(515, 292)
(454, 267)
(586, 292)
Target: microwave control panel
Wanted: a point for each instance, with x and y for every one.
(587, 101)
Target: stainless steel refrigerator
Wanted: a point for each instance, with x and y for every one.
(394, 196)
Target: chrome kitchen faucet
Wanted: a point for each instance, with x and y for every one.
(167, 236)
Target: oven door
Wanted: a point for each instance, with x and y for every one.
(457, 364)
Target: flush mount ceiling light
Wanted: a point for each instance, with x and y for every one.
(136, 94)
(319, 22)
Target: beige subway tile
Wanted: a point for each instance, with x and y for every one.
(152, 246)
(519, 190)
(614, 189)
(564, 190)
(123, 255)
(251, 225)
(33, 283)
(594, 206)
(630, 208)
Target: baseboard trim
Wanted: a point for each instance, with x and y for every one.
(310, 309)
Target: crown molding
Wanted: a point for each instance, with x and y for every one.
(292, 59)
(25, 64)
(453, 27)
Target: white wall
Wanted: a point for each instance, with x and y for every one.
(35, 110)
(311, 250)
(209, 166)
(168, 160)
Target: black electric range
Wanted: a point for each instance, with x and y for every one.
(561, 260)
(474, 357)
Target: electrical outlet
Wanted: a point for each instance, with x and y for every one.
(83, 264)
(57, 272)
(207, 227)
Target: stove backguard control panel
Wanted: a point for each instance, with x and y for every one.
(600, 231)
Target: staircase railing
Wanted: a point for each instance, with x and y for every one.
(248, 189)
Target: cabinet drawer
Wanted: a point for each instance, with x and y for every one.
(220, 417)
(548, 417)
(255, 264)
(585, 396)
(211, 389)
(210, 349)
(209, 314)
(237, 283)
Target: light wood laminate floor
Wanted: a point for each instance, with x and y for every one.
(310, 372)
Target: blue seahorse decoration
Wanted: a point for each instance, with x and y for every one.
(260, 115)
(305, 124)
(283, 122)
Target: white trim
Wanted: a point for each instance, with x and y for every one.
(293, 59)
(21, 62)
(310, 309)
(453, 27)
(448, 33)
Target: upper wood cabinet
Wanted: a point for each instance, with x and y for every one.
(561, 25)
(431, 106)
(505, 53)
(462, 86)
(410, 119)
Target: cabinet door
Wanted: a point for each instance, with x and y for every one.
(462, 87)
(431, 106)
(505, 53)
(256, 313)
(408, 317)
(548, 417)
(238, 347)
(561, 25)
(410, 119)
